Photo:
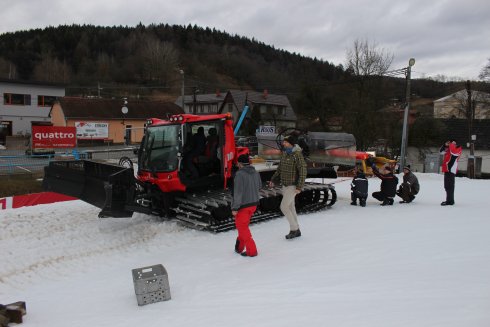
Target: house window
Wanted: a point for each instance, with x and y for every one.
(230, 107)
(270, 109)
(281, 111)
(17, 99)
(45, 100)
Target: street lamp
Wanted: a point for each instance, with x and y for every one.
(124, 111)
(411, 62)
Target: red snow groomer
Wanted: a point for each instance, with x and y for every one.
(180, 177)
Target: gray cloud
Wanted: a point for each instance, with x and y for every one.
(446, 37)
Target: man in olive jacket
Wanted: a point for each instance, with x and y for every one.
(291, 172)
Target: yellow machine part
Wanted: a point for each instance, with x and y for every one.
(380, 163)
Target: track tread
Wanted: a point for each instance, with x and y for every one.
(196, 210)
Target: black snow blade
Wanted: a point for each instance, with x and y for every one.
(108, 187)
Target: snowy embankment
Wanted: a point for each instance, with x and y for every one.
(416, 264)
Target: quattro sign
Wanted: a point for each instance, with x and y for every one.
(53, 137)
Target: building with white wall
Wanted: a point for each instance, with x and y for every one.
(25, 103)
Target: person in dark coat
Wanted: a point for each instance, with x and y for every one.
(195, 148)
(388, 185)
(359, 188)
(409, 187)
(246, 186)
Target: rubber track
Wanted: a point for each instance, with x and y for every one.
(196, 210)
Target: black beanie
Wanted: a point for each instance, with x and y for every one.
(291, 139)
(244, 159)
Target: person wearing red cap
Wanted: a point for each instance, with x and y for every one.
(451, 152)
(246, 186)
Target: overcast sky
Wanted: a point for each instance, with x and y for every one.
(450, 37)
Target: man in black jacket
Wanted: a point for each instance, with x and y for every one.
(359, 188)
(388, 185)
(246, 186)
(409, 187)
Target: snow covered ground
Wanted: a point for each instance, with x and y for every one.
(416, 264)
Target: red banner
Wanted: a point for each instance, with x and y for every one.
(54, 137)
(27, 200)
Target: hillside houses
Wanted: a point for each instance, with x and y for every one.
(456, 105)
(264, 108)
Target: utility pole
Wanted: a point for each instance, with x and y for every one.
(470, 115)
(183, 89)
(411, 62)
(194, 91)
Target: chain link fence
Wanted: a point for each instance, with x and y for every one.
(23, 161)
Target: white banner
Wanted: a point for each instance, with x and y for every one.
(92, 130)
(264, 129)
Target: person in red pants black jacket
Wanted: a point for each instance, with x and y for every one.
(246, 185)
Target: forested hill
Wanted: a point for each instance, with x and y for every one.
(148, 61)
(153, 56)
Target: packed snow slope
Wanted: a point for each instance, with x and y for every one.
(415, 264)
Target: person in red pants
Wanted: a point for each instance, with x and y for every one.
(246, 187)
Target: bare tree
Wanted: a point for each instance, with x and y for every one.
(50, 69)
(471, 105)
(485, 72)
(7, 69)
(366, 59)
(160, 59)
(104, 65)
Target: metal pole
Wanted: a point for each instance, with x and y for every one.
(471, 159)
(183, 89)
(194, 100)
(405, 122)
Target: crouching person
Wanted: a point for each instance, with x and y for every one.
(388, 185)
(359, 188)
(409, 187)
(246, 186)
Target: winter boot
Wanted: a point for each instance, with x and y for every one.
(387, 202)
(293, 234)
(362, 202)
(238, 248)
(353, 203)
(244, 254)
(447, 203)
